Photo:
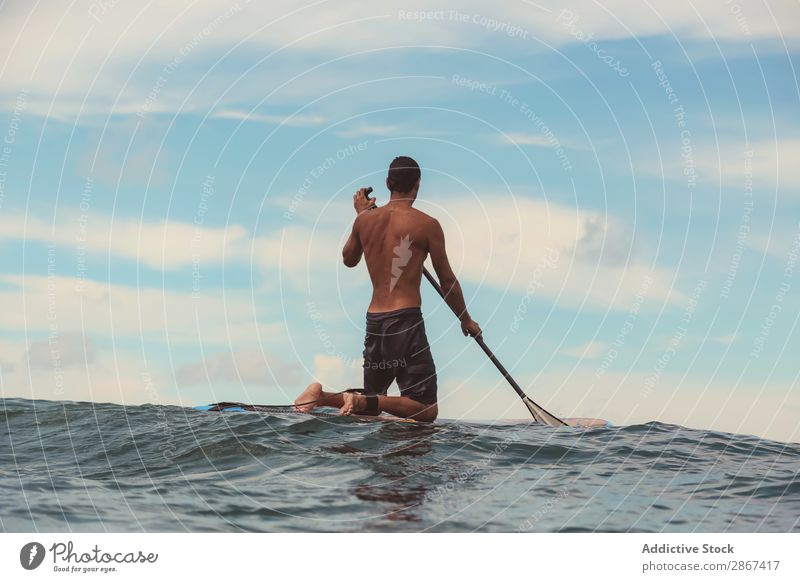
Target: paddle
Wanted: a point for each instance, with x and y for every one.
(539, 414)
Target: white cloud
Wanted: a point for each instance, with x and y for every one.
(303, 253)
(761, 163)
(544, 249)
(364, 129)
(68, 349)
(336, 374)
(298, 119)
(778, 244)
(381, 130)
(539, 140)
(589, 350)
(247, 367)
(37, 303)
(163, 244)
(725, 339)
(112, 55)
(58, 371)
(773, 162)
(534, 139)
(683, 18)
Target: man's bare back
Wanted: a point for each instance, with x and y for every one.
(395, 239)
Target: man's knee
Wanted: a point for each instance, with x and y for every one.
(428, 414)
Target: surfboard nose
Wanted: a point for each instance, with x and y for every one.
(587, 422)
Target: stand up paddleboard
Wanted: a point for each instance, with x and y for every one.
(279, 409)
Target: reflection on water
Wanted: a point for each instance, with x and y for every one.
(396, 469)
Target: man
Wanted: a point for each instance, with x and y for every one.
(395, 239)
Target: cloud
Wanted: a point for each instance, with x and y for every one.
(37, 303)
(725, 339)
(97, 57)
(302, 253)
(293, 119)
(248, 367)
(337, 374)
(544, 249)
(773, 162)
(763, 162)
(604, 239)
(63, 371)
(589, 350)
(779, 244)
(67, 349)
(535, 139)
(687, 19)
(162, 245)
(363, 129)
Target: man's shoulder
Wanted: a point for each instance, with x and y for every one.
(424, 218)
(368, 215)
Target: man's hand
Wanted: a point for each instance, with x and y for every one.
(362, 201)
(471, 328)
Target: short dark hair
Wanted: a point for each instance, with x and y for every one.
(403, 174)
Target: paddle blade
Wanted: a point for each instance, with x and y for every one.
(541, 415)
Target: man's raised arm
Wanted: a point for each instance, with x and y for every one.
(352, 251)
(448, 281)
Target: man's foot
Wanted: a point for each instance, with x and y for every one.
(309, 398)
(354, 403)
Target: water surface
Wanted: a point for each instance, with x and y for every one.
(104, 467)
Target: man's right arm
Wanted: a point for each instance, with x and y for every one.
(448, 281)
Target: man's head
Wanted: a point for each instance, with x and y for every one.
(403, 177)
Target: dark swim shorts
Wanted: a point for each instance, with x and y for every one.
(396, 348)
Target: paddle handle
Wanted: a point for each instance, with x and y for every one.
(366, 195)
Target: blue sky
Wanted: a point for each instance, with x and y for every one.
(617, 183)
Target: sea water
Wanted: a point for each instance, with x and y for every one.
(68, 467)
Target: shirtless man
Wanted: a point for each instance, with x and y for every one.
(395, 239)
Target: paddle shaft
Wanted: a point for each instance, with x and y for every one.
(481, 343)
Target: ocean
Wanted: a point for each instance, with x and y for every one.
(82, 467)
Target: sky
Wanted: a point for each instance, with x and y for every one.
(617, 182)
